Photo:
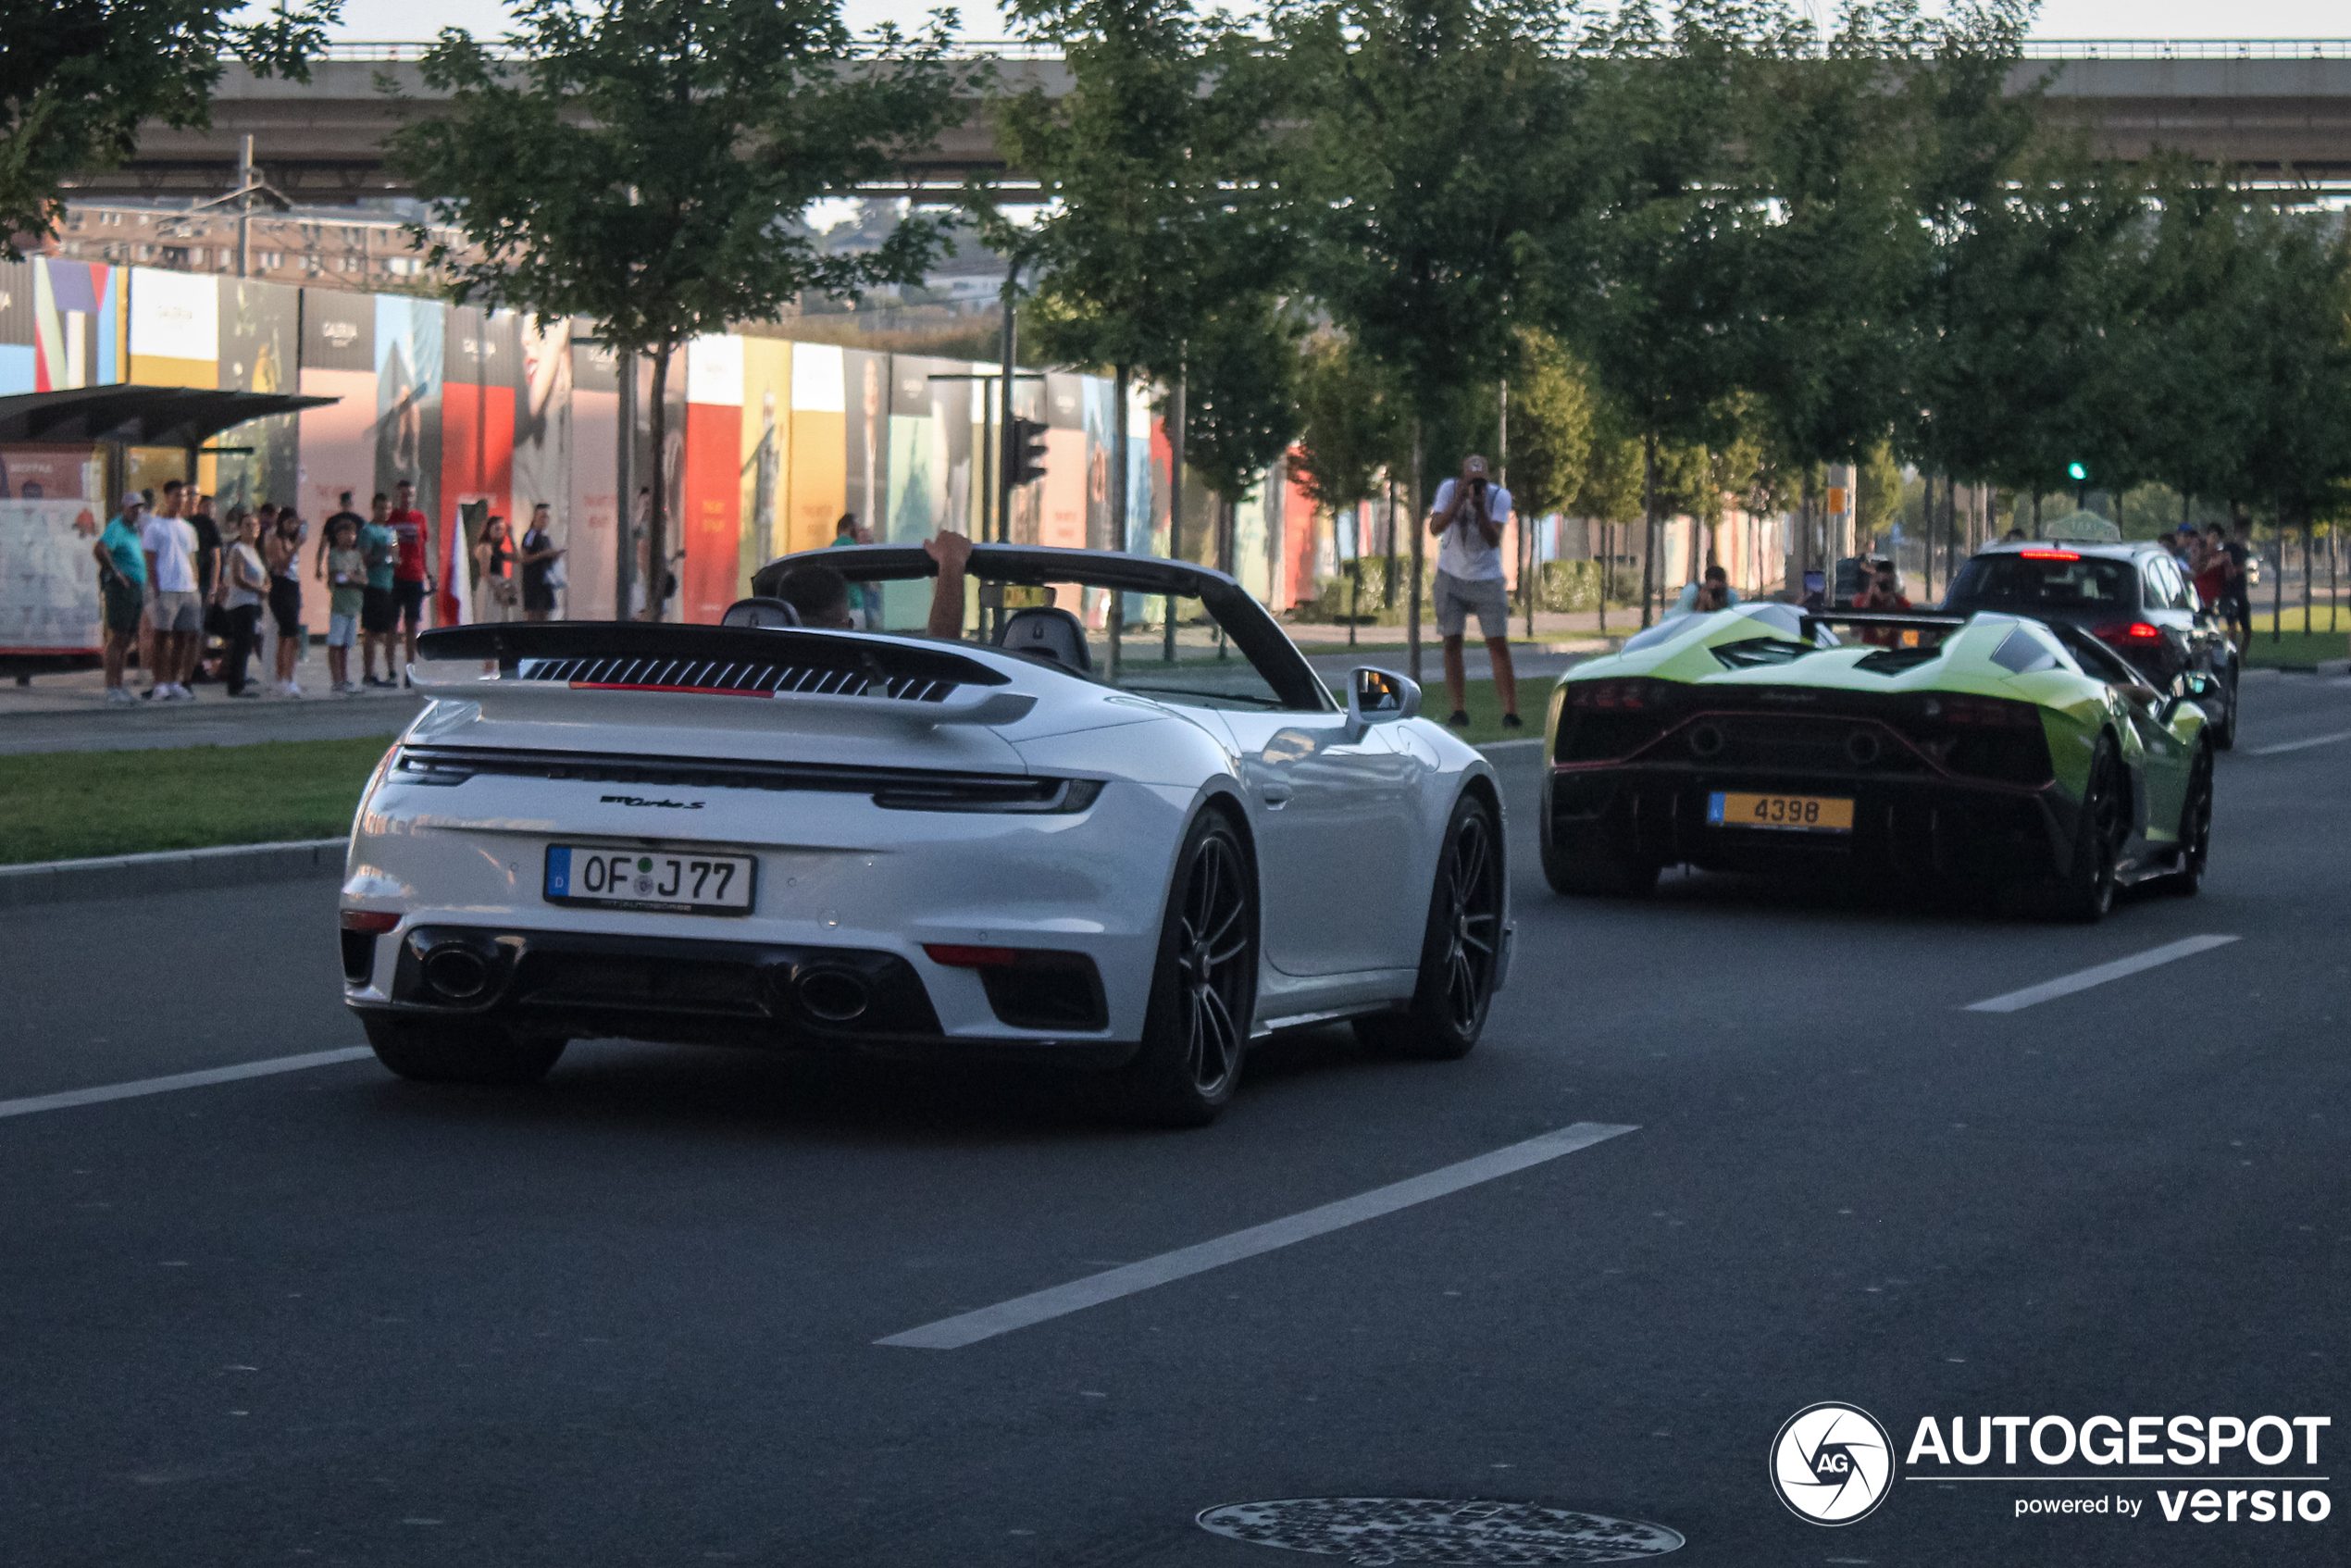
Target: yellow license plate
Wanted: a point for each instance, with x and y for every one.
(1786, 814)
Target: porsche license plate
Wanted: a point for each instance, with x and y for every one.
(687, 883)
(1784, 813)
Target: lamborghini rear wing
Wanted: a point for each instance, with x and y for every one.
(1895, 620)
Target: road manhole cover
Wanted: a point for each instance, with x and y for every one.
(1376, 1531)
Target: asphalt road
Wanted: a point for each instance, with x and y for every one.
(630, 1317)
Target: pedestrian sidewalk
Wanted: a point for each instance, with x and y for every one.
(70, 713)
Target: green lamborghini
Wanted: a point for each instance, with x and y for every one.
(2017, 757)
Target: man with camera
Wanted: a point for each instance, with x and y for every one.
(1467, 518)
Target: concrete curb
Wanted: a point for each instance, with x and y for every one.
(169, 871)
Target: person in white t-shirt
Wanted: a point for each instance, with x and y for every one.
(1468, 517)
(175, 608)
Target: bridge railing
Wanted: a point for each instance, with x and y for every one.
(392, 51)
(387, 51)
(2187, 48)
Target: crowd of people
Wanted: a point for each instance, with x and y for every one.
(173, 578)
(2218, 564)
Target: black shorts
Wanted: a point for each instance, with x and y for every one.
(124, 602)
(409, 602)
(538, 596)
(376, 617)
(285, 605)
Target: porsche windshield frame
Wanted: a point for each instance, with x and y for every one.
(1251, 638)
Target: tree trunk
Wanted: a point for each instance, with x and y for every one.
(1114, 614)
(2277, 587)
(657, 519)
(1606, 544)
(1649, 523)
(1412, 607)
(1388, 574)
(1175, 499)
(2308, 541)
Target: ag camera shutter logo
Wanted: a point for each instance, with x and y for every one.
(1832, 1464)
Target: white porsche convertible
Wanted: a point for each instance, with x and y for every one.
(1131, 851)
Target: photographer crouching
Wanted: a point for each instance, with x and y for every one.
(1467, 518)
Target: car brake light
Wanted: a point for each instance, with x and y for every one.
(1985, 713)
(956, 957)
(2050, 554)
(2134, 632)
(1621, 696)
(372, 920)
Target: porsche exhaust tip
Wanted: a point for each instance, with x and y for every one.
(458, 973)
(833, 995)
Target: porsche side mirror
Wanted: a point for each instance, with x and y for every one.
(1378, 696)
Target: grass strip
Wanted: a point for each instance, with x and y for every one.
(73, 805)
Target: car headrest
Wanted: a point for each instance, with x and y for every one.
(760, 612)
(1047, 634)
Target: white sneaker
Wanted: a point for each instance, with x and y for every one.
(118, 698)
(174, 692)
(292, 689)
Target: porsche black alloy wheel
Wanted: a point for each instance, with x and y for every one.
(1204, 990)
(1461, 950)
(2088, 891)
(460, 1051)
(2195, 827)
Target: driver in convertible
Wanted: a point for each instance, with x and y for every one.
(820, 594)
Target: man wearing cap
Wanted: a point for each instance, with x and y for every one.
(122, 588)
(1468, 517)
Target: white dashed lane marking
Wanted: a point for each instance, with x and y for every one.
(67, 1099)
(2082, 980)
(967, 1329)
(2300, 745)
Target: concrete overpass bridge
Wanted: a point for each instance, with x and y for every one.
(2280, 108)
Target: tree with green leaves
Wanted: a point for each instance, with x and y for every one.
(2293, 312)
(1351, 435)
(78, 78)
(1145, 162)
(1552, 411)
(1439, 152)
(1832, 145)
(1241, 411)
(645, 164)
(1664, 322)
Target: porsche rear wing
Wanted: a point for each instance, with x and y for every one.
(883, 678)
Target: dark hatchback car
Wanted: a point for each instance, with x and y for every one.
(2133, 598)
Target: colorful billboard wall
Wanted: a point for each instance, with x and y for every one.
(770, 441)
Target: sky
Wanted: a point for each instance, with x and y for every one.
(402, 19)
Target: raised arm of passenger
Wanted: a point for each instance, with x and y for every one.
(953, 554)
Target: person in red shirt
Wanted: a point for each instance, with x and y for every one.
(1884, 594)
(411, 572)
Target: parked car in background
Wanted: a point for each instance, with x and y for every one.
(2131, 597)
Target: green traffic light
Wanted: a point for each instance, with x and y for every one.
(2078, 471)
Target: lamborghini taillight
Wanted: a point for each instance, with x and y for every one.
(1601, 720)
(1635, 694)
